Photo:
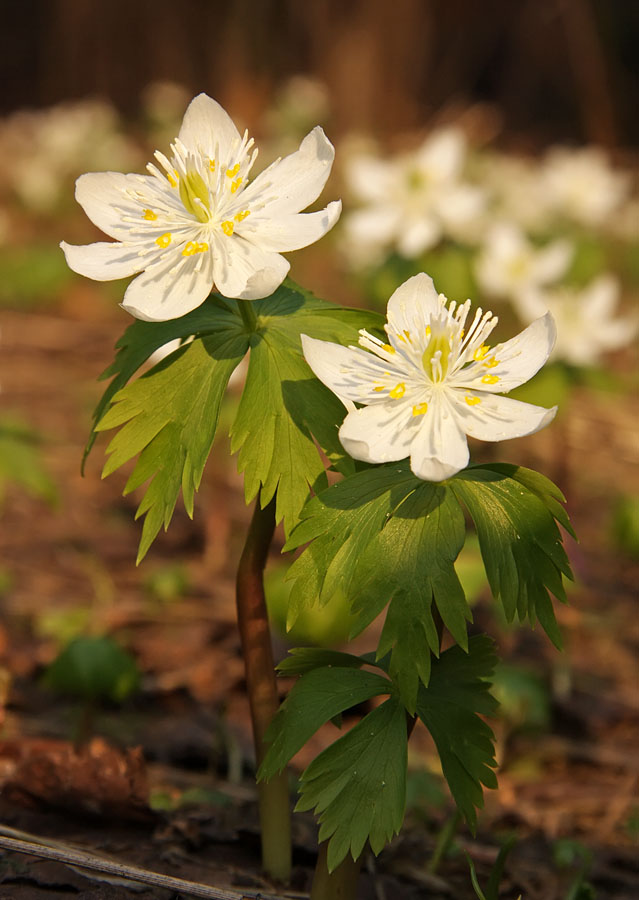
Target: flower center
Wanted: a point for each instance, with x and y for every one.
(195, 196)
(435, 356)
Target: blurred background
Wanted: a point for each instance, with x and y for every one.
(492, 145)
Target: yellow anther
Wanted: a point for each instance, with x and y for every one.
(150, 215)
(398, 391)
(227, 227)
(491, 363)
(233, 172)
(212, 165)
(201, 247)
(490, 379)
(235, 185)
(420, 409)
(388, 348)
(380, 387)
(472, 401)
(428, 331)
(173, 179)
(190, 249)
(481, 352)
(164, 240)
(239, 217)
(401, 338)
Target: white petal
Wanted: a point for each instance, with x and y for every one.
(439, 449)
(600, 298)
(551, 262)
(442, 154)
(374, 225)
(243, 270)
(379, 433)
(497, 418)
(158, 294)
(292, 231)
(290, 184)
(103, 261)
(412, 304)
(209, 128)
(417, 236)
(517, 359)
(370, 179)
(99, 193)
(349, 372)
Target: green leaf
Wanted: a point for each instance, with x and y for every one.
(458, 693)
(318, 696)
(94, 668)
(284, 407)
(304, 659)
(514, 511)
(141, 339)
(20, 462)
(169, 417)
(383, 535)
(357, 786)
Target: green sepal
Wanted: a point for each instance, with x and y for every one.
(458, 693)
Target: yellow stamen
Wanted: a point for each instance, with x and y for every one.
(212, 165)
(472, 401)
(239, 217)
(164, 240)
(407, 333)
(173, 179)
(201, 247)
(233, 172)
(420, 409)
(481, 352)
(428, 331)
(388, 348)
(491, 363)
(227, 227)
(379, 388)
(190, 249)
(150, 215)
(398, 391)
(490, 379)
(235, 185)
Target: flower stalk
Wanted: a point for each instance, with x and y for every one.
(273, 795)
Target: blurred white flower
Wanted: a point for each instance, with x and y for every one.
(509, 263)
(436, 381)
(49, 147)
(582, 186)
(411, 200)
(198, 220)
(517, 194)
(587, 325)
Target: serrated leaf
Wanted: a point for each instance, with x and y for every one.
(514, 512)
(357, 786)
(169, 417)
(450, 707)
(318, 696)
(383, 536)
(142, 339)
(283, 407)
(304, 659)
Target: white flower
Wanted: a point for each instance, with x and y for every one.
(585, 317)
(412, 199)
(581, 185)
(509, 263)
(516, 189)
(435, 382)
(197, 220)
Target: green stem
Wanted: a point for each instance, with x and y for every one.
(247, 312)
(341, 884)
(273, 795)
(444, 841)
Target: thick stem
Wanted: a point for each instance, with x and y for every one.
(273, 795)
(248, 314)
(341, 884)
